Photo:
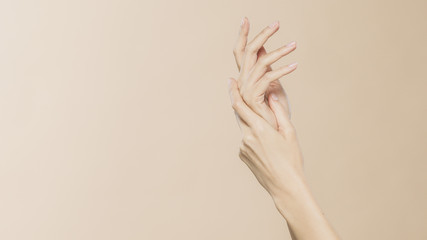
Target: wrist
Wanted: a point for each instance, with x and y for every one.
(302, 213)
(295, 199)
(291, 186)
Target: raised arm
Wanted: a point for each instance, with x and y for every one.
(270, 146)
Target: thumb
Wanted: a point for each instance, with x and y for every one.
(282, 117)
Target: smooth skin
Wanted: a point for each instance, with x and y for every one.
(270, 146)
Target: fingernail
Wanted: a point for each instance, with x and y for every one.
(273, 25)
(274, 97)
(291, 44)
(243, 21)
(229, 81)
(293, 65)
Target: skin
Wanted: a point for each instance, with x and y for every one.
(270, 146)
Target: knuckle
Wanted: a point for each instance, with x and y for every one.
(243, 151)
(268, 76)
(237, 105)
(251, 48)
(258, 129)
(242, 156)
(248, 140)
(290, 131)
(242, 148)
(247, 97)
(265, 31)
(263, 62)
(242, 90)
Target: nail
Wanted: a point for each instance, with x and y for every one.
(293, 65)
(229, 81)
(291, 44)
(243, 21)
(274, 97)
(274, 24)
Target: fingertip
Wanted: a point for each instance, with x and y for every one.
(274, 25)
(275, 104)
(244, 20)
(274, 97)
(293, 65)
(273, 101)
(245, 25)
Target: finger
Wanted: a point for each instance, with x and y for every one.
(262, 52)
(239, 121)
(254, 46)
(240, 45)
(244, 128)
(242, 125)
(277, 88)
(283, 122)
(265, 61)
(238, 104)
(263, 84)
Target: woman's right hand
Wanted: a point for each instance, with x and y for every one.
(274, 156)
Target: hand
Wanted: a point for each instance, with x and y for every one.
(270, 146)
(274, 156)
(253, 61)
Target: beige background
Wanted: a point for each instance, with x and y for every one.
(116, 123)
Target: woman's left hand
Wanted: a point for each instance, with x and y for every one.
(253, 63)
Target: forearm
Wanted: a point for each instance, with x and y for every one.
(269, 145)
(302, 213)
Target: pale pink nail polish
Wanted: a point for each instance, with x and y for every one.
(291, 44)
(273, 25)
(243, 21)
(293, 65)
(274, 97)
